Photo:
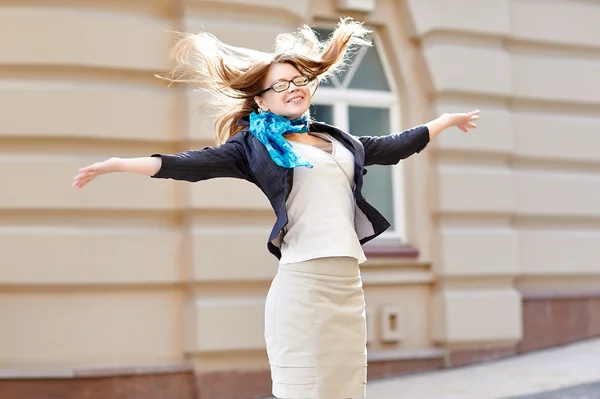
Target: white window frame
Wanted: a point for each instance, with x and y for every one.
(343, 98)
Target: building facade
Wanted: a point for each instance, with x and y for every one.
(130, 286)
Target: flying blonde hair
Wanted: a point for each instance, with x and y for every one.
(233, 75)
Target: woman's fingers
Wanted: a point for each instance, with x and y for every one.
(465, 127)
(82, 182)
(84, 176)
(78, 182)
(467, 121)
(79, 177)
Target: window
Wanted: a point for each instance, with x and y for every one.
(361, 101)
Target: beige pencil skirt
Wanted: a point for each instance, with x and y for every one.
(315, 330)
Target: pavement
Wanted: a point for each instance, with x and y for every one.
(585, 391)
(566, 372)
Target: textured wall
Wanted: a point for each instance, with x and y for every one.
(517, 200)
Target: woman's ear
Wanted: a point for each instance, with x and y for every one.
(259, 102)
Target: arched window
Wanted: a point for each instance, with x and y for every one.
(362, 101)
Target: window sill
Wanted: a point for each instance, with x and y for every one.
(390, 249)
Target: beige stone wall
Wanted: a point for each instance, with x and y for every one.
(516, 204)
(134, 271)
(90, 278)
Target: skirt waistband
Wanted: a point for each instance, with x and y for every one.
(332, 266)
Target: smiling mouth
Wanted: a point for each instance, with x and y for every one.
(296, 100)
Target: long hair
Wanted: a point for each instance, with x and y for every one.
(232, 76)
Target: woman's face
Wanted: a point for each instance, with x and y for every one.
(291, 103)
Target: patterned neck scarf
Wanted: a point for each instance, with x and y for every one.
(270, 128)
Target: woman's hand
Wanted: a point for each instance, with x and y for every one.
(463, 121)
(89, 173)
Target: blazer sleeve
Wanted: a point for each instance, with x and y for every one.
(227, 160)
(391, 149)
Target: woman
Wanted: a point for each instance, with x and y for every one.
(312, 174)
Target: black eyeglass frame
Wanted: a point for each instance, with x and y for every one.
(305, 80)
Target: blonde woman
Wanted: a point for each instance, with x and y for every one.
(312, 174)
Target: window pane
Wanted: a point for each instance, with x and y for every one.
(377, 187)
(322, 113)
(370, 74)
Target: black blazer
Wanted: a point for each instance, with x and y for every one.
(243, 156)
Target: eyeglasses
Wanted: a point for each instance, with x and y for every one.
(283, 84)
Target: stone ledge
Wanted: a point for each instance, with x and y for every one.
(405, 354)
(157, 386)
(466, 357)
(61, 372)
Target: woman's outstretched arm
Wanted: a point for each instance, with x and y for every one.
(148, 166)
(227, 160)
(392, 148)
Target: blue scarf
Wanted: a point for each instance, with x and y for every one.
(269, 129)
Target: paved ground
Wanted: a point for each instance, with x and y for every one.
(569, 372)
(584, 391)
